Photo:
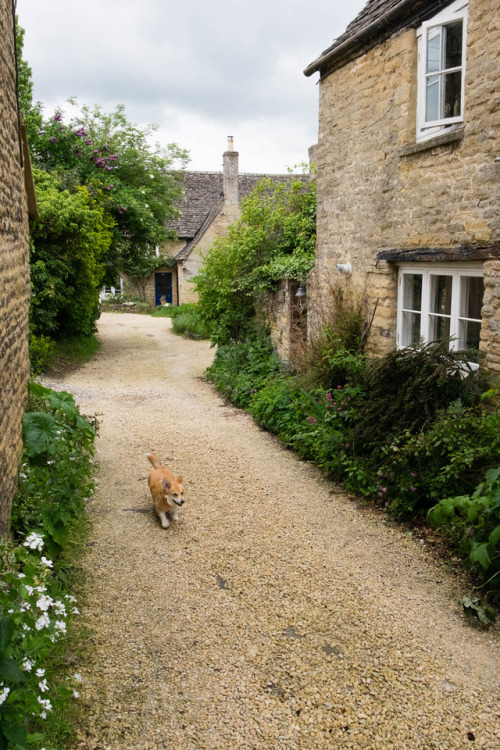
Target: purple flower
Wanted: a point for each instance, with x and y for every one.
(100, 162)
(328, 396)
(96, 151)
(413, 489)
(81, 132)
(113, 157)
(383, 489)
(413, 474)
(339, 387)
(346, 445)
(107, 168)
(57, 117)
(109, 187)
(312, 420)
(53, 139)
(88, 142)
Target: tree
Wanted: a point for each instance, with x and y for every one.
(70, 241)
(31, 113)
(274, 238)
(107, 153)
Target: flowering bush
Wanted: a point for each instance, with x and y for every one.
(36, 603)
(34, 622)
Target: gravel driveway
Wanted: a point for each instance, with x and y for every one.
(277, 614)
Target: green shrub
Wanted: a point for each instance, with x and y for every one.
(36, 606)
(187, 321)
(41, 353)
(472, 523)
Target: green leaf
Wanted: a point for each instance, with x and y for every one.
(65, 402)
(480, 554)
(17, 735)
(494, 537)
(40, 431)
(6, 633)
(38, 390)
(10, 671)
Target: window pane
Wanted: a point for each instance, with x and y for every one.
(432, 97)
(471, 296)
(411, 329)
(434, 50)
(453, 44)
(469, 336)
(439, 328)
(441, 294)
(412, 291)
(452, 94)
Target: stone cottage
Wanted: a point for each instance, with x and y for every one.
(408, 177)
(16, 198)
(211, 203)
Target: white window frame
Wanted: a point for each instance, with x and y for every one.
(454, 12)
(457, 272)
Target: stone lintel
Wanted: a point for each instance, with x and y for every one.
(440, 254)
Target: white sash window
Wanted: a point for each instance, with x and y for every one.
(441, 70)
(440, 302)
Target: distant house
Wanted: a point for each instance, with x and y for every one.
(16, 199)
(409, 173)
(211, 203)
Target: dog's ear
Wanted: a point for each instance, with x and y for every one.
(166, 484)
(179, 479)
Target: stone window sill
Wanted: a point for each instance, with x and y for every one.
(452, 136)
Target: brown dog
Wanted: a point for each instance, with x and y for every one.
(167, 492)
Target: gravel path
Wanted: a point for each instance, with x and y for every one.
(276, 614)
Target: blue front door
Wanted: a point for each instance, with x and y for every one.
(163, 288)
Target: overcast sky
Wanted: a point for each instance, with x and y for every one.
(200, 70)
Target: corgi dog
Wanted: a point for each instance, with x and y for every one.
(167, 492)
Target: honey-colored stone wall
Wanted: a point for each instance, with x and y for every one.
(218, 228)
(282, 313)
(376, 193)
(14, 275)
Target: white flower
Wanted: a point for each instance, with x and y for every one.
(3, 694)
(40, 672)
(25, 627)
(50, 462)
(21, 575)
(24, 607)
(29, 589)
(75, 611)
(10, 611)
(76, 694)
(34, 541)
(152, 176)
(46, 562)
(44, 602)
(27, 665)
(59, 607)
(43, 686)
(42, 622)
(47, 705)
(78, 677)
(61, 625)
(70, 598)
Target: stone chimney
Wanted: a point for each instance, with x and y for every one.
(230, 173)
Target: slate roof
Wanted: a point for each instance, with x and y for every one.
(378, 20)
(203, 198)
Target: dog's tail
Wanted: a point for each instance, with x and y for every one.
(153, 459)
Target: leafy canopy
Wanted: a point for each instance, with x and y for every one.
(274, 238)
